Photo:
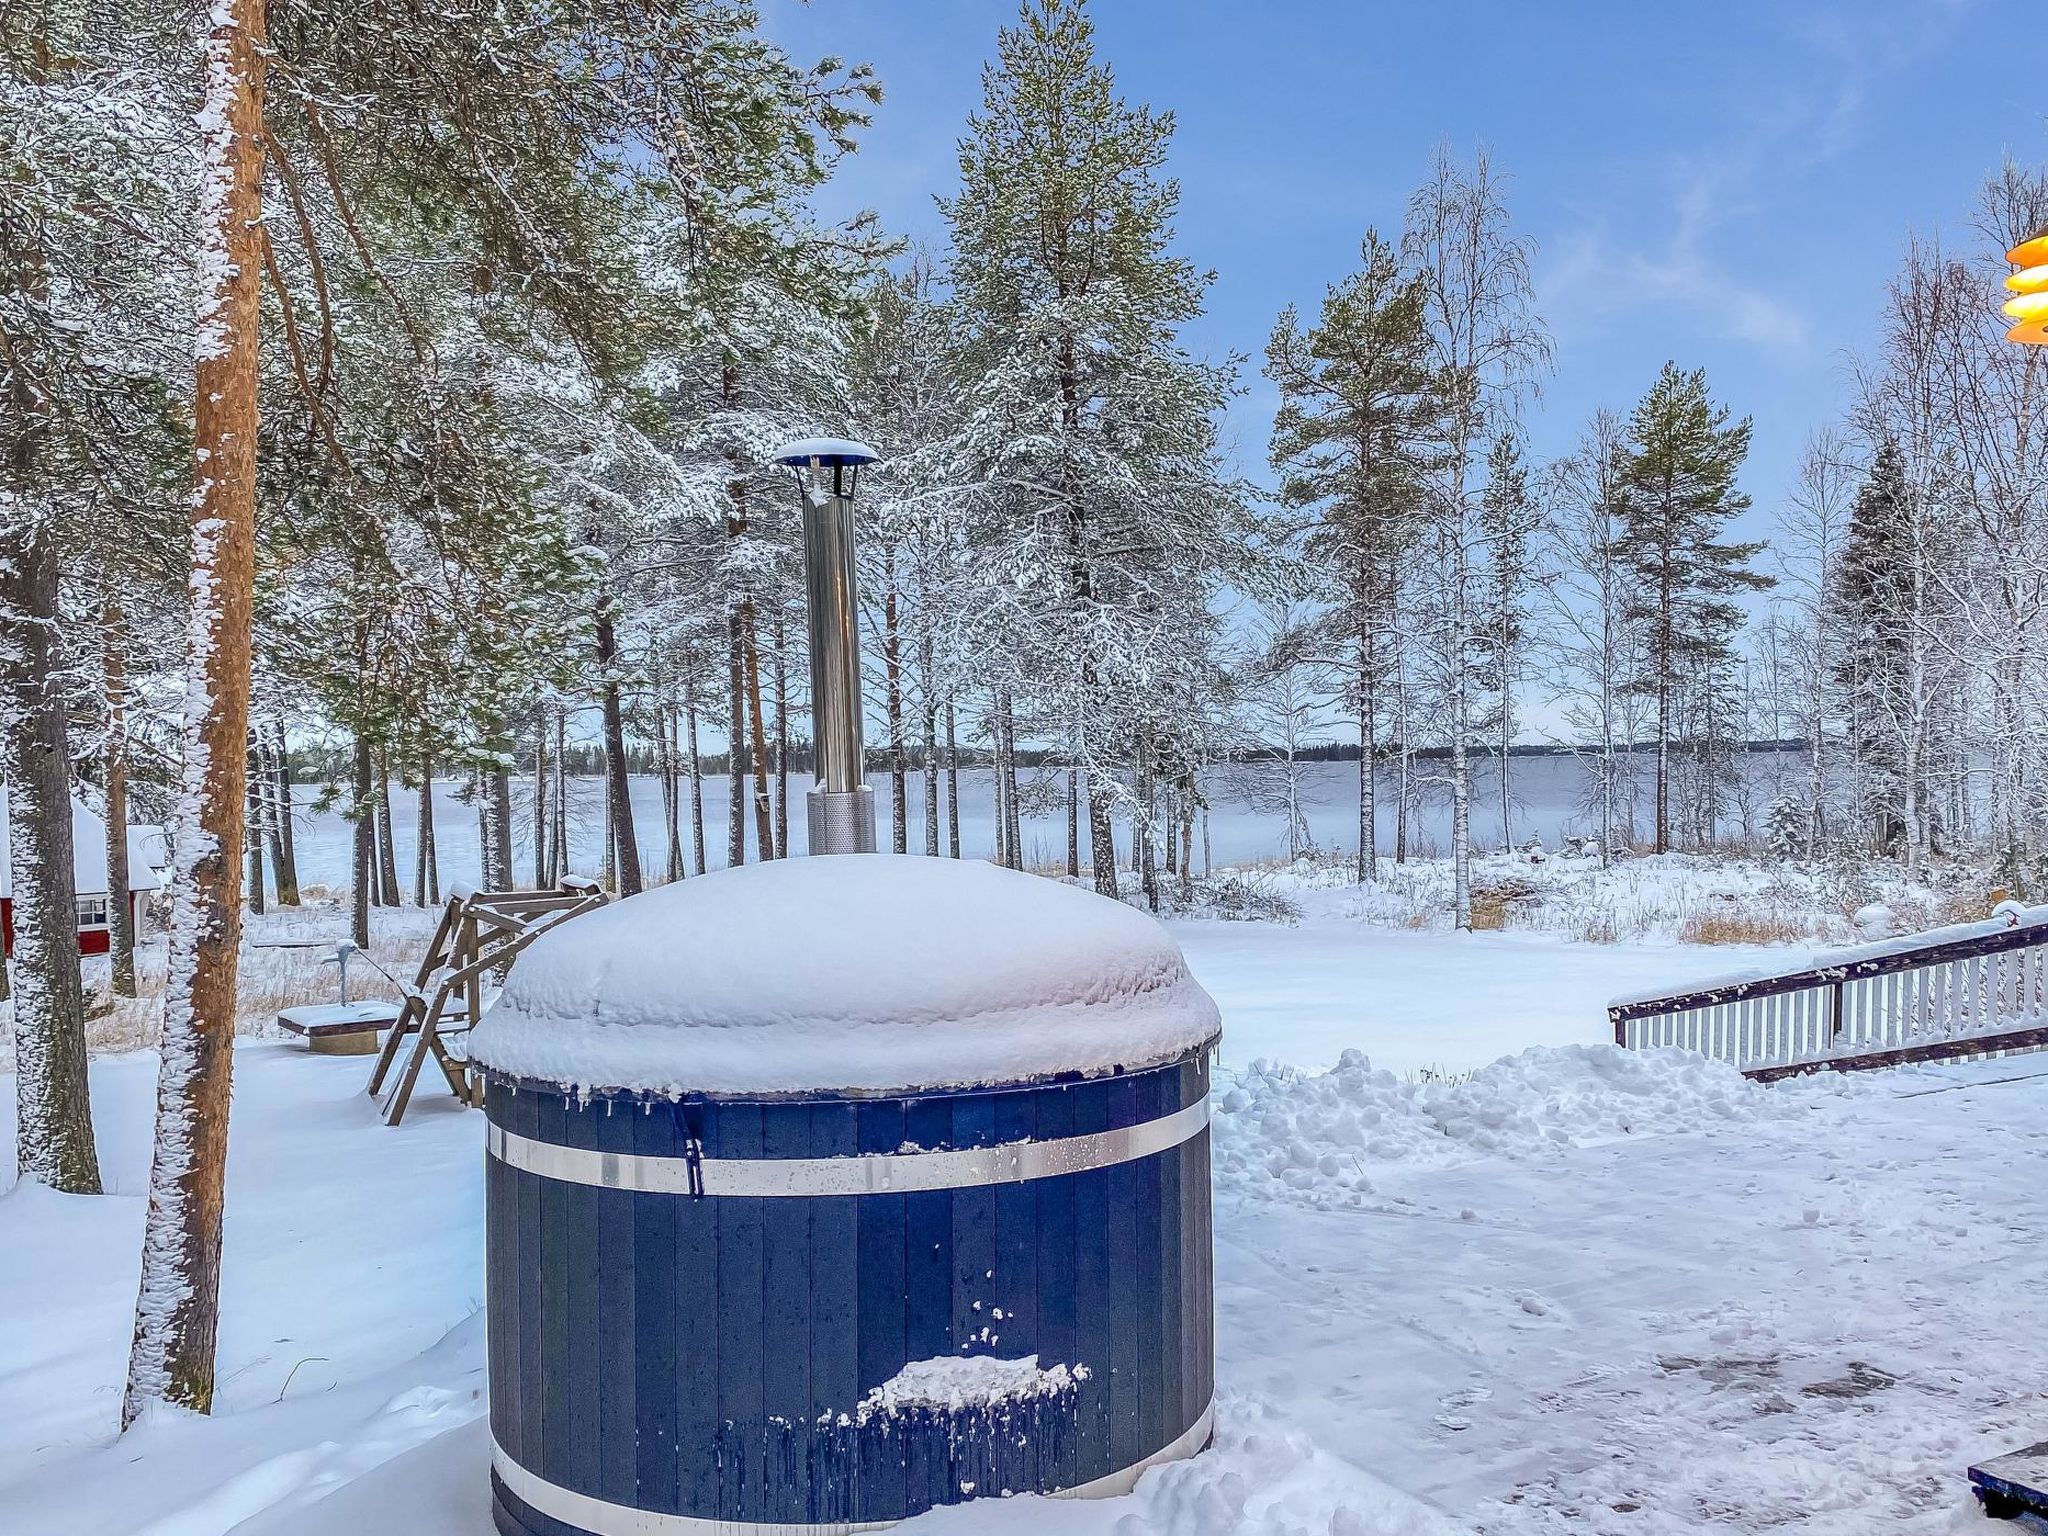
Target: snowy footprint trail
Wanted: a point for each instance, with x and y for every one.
(1580, 1292)
(1812, 1319)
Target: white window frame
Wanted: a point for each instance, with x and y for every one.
(87, 906)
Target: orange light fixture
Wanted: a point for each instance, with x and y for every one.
(2029, 286)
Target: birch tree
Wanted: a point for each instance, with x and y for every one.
(1487, 348)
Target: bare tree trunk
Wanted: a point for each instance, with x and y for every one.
(1013, 821)
(426, 874)
(1073, 823)
(53, 1134)
(177, 1310)
(275, 815)
(671, 790)
(764, 816)
(558, 859)
(361, 819)
(931, 779)
(287, 836)
(1101, 837)
(542, 878)
(696, 782)
(952, 786)
(120, 908)
(1141, 827)
(618, 800)
(892, 676)
(1368, 779)
(735, 739)
(387, 848)
(252, 838)
(781, 737)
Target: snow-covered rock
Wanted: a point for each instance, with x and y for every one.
(873, 972)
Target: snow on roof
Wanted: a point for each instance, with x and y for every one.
(867, 972)
(89, 852)
(825, 450)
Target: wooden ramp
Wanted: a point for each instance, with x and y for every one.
(473, 947)
(1977, 990)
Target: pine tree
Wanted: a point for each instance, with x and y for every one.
(1099, 522)
(1874, 603)
(1509, 525)
(1678, 495)
(177, 1312)
(1350, 443)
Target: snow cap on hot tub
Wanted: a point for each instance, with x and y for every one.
(861, 972)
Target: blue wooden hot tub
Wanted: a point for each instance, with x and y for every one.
(690, 1301)
(825, 1191)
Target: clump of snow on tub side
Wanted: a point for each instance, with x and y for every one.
(955, 1384)
(1318, 1138)
(869, 972)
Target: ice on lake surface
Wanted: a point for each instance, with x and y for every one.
(1548, 795)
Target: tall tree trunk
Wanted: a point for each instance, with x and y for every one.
(252, 838)
(1073, 823)
(892, 677)
(619, 801)
(287, 836)
(53, 1134)
(558, 860)
(177, 1311)
(735, 738)
(275, 815)
(1404, 758)
(671, 791)
(1013, 821)
(363, 826)
(952, 785)
(543, 877)
(387, 844)
(1368, 778)
(764, 814)
(928, 699)
(426, 873)
(697, 850)
(781, 736)
(120, 910)
(1148, 870)
(1101, 837)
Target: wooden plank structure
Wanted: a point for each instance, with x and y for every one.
(1962, 993)
(479, 934)
(2015, 1487)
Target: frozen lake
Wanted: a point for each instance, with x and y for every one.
(1548, 796)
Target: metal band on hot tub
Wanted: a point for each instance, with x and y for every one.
(580, 1509)
(866, 1174)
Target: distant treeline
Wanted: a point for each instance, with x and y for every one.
(587, 760)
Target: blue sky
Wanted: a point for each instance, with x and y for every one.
(1726, 185)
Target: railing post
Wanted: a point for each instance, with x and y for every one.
(1836, 1032)
(1620, 1027)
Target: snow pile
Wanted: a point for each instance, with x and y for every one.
(1319, 1137)
(955, 1384)
(874, 972)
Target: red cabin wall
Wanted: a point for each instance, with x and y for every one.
(96, 941)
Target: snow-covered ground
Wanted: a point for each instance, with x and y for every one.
(1578, 1291)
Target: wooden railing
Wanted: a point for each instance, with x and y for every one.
(1976, 990)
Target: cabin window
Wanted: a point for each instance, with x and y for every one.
(92, 911)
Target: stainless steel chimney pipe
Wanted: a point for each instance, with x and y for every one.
(840, 806)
